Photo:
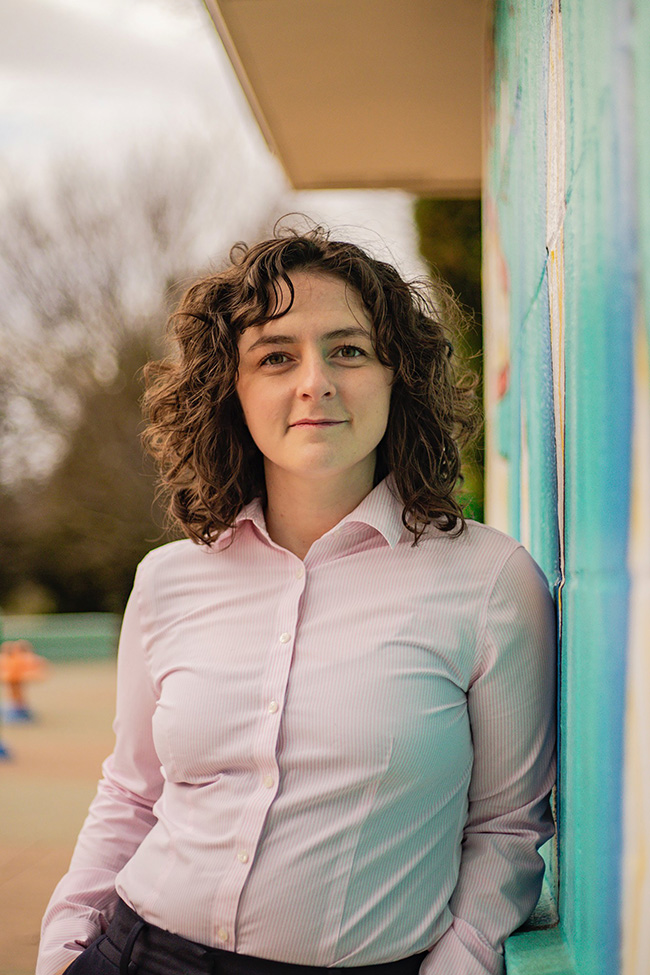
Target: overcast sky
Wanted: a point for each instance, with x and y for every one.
(89, 78)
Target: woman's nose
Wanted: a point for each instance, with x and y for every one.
(315, 380)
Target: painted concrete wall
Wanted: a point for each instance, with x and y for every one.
(567, 311)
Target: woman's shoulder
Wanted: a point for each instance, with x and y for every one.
(488, 534)
(475, 540)
(513, 569)
(175, 575)
(168, 553)
(480, 554)
(174, 557)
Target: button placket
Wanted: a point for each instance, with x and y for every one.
(274, 685)
(280, 632)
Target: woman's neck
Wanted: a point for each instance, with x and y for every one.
(298, 512)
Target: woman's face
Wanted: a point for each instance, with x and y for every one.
(314, 395)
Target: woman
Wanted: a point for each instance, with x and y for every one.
(335, 727)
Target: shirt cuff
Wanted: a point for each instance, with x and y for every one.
(66, 939)
(463, 951)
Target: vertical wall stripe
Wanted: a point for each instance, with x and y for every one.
(636, 875)
(600, 236)
(555, 211)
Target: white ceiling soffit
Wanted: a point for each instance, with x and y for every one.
(364, 93)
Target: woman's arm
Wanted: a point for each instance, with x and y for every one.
(511, 706)
(119, 817)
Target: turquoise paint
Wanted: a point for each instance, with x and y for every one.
(600, 253)
(518, 160)
(538, 953)
(641, 79)
(537, 394)
(67, 636)
(600, 310)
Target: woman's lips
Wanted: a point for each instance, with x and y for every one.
(316, 423)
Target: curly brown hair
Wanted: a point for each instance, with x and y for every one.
(208, 463)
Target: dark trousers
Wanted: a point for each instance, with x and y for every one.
(131, 946)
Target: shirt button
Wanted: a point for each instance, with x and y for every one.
(300, 571)
(268, 781)
(285, 637)
(222, 934)
(242, 856)
(273, 707)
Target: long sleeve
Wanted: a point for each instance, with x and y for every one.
(119, 817)
(512, 718)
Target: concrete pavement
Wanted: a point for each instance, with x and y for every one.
(45, 790)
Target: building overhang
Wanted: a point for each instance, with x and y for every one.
(364, 93)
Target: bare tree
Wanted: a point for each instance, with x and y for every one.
(88, 263)
(89, 258)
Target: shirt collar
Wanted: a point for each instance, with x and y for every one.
(381, 510)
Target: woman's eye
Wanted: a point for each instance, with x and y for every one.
(274, 359)
(343, 352)
(351, 352)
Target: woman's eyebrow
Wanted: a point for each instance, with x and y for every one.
(353, 331)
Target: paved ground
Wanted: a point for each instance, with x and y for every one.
(44, 794)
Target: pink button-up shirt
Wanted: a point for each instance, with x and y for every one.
(337, 761)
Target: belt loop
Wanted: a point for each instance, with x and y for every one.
(128, 946)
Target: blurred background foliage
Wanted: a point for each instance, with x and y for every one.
(87, 524)
(450, 242)
(89, 269)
